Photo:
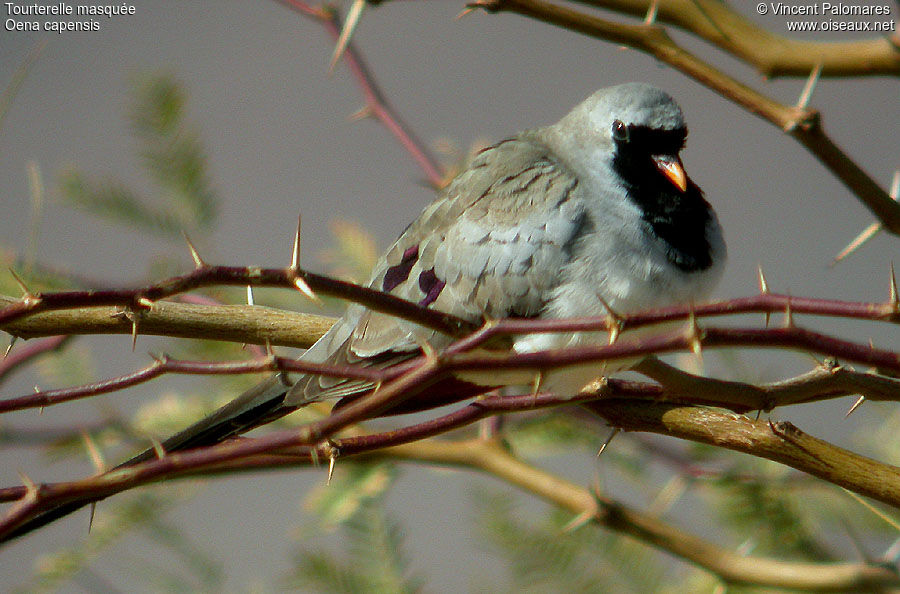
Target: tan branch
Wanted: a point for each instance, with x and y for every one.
(248, 324)
(491, 458)
(772, 55)
(731, 567)
(781, 442)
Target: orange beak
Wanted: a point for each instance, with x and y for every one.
(671, 167)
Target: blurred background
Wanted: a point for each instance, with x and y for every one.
(279, 141)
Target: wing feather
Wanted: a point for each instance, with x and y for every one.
(491, 245)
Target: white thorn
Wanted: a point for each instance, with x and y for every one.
(615, 432)
(304, 288)
(855, 406)
(295, 253)
(763, 284)
(12, 340)
(895, 301)
(873, 229)
(352, 20)
(331, 460)
(195, 255)
(809, 87)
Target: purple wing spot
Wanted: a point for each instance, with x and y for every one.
(431, 285)
(399, 273)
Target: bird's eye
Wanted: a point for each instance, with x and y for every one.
(620, 131)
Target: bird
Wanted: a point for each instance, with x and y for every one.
(591, 216)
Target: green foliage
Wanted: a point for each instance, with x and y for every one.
(757, 499)
(545, 555)
(353, 253)
(173, 156)
(353, 486)
(373, 559)
(71, 366)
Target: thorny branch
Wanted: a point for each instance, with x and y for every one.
(489, 457)
(772, 55)
(624, 404)
(377, 105)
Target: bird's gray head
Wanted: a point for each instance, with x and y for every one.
(623, 143)
(633, 104)
(610, 113)
(627, 118)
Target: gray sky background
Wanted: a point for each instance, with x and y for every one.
(277, 132)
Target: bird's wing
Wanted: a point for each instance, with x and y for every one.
(493, 245)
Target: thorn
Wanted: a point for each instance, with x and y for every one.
(352, 20)
(536, 386)
(893, 300)
(809, 87)
(857, 242)
(12, 340)
(295, 253)
(695, 337)
(91, 518)
(304, 288)
(870, 231)
(578, 521)
(134, 333)
(763, 289)
(195, 255)
(93, 452)
(362, 113)
(26, 292)
(651, 13)
(250, 300)
(613, 320)
(31, 488)
(615, 432)
(758, 414)
(158, 448)
(856, 405)
(332, 458)
(788, 314)
(466, 11)
(763, 284)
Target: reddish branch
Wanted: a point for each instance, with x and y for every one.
(164, 365)
(27, 353)
(376, 104)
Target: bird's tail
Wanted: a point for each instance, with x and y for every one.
(260, 404)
